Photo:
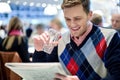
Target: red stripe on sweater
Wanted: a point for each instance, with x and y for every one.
(101, 47)
(72, 66)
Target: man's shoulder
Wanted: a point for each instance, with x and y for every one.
(107, 30)
(65, 37)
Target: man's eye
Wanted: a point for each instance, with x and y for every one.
(117, 20)
(77, 18)
(67, 19)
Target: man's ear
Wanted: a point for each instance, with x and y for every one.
(90, 14)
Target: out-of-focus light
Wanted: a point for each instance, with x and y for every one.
(98, 12)
(24, 3)
(8, 1)
(1, 22)
(32, 4)
(55, 0)
(50, 10)
(31, 49)
(43, 4)
(38, 4)
(5, 7)
(58, 6)
(17, 2)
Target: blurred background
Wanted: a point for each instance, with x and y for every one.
(42, 11)
(38, 15)
(30, 11)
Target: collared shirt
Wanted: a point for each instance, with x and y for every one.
(79, 40)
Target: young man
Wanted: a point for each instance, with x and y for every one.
(87, 52)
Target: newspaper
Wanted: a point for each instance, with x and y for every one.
(36, 71)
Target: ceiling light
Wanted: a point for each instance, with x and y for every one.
(6, 8)
(50, 10)
(32, 4)
(43, 4)
(8, 1)
(55, 0)
(24, 3)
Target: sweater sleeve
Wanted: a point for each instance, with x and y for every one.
(112, 59)
(41, 56)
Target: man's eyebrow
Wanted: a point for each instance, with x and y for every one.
(66, 18)
(78, 16)
(74, 17)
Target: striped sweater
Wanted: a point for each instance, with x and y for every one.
(94, 59)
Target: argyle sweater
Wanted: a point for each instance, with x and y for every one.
(97, 58)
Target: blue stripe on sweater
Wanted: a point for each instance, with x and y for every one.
(79, 57)
(79, 73)
(96, 37)
(94, 76)
(85, 70)
(65, 57)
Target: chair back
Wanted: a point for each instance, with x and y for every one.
(5, 73)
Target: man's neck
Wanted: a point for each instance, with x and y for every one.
(80, 39)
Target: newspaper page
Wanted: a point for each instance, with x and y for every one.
(36, 71)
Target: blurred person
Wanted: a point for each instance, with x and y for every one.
(40, 28)
(15, 40)
(86, 52)
(57, 25)
(2, 31)
(115, 19)
(1, 40)
(97, 19)
(29, 31)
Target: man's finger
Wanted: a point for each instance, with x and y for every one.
(60, 76)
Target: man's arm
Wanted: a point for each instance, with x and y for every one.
(41, 56)
(112, 59)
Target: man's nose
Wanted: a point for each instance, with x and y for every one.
(72, 23)
(114, 22)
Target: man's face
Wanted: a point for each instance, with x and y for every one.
(77, 20)
(116, 21)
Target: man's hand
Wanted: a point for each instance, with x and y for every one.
(59, 76)
(40, 40)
